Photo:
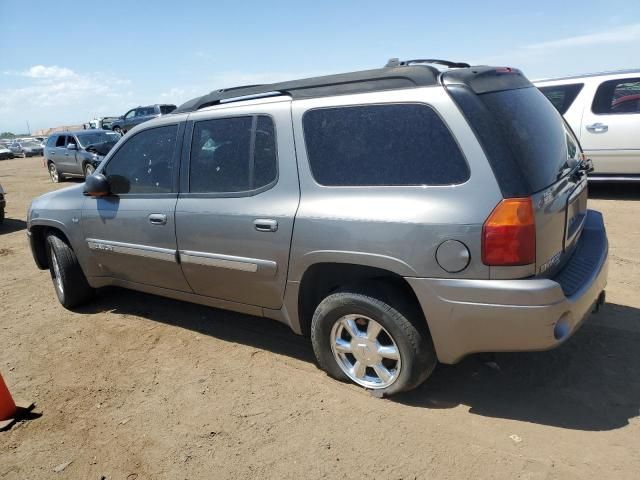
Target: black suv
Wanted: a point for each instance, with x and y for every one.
(138, 115)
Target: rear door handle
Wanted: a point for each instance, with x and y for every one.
(597, 128)
(158, 219)
(265, 225)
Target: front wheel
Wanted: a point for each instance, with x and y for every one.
(89, 170)
(68, 278)
(361, 338)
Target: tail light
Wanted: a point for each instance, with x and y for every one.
(509, 234)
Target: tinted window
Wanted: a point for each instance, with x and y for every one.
(617, 96)
(145, 163)
(401, 144)
(562, 96)
(164, 109)
(60, 142)
(534, 131)
(233, 155)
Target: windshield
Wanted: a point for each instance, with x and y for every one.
(92, 138)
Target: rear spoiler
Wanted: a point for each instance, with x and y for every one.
(486, 79)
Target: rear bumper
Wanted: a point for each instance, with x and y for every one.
(468, 316)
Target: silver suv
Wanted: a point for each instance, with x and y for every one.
(399, 217)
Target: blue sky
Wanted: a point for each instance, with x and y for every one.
(64, 62)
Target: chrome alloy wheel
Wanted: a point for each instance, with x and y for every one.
(365, 351)
(53, 171)
(56, 271)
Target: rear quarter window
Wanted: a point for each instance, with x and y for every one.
(382, 145)
(617, 96)
(562, 96)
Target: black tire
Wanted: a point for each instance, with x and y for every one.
(1, 216)
(56, 177)
(88, 170)
(399, 317)
(69, 282)
(118, 130)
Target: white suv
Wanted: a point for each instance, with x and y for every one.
(603, 110)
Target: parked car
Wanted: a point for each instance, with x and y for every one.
(5, 152)
(399, 217)
(3, 204)
(25, 148)
(603, 110)
(77, 154)
(102, 123)
(138, 115)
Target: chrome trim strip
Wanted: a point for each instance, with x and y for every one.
(244, 264)
(146, 251)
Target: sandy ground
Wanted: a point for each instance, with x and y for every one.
(137, 386)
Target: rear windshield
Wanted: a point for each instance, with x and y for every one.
(535, 133)
(562, 96)
(164, 109)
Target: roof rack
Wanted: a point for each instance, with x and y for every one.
(395, 75)
(389, 78)
(395, 62)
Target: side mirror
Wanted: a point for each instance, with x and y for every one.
(96, 185)
(72, 146)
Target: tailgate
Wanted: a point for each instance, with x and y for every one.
(560, 213)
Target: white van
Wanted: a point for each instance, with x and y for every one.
(603, 109)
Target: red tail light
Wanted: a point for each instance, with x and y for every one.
(509, 234)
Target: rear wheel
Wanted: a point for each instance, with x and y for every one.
(69, 281)
(118, 130)
(361, 338)
(53, 173)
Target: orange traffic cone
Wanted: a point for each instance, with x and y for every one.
(9, 411)
(7, 405)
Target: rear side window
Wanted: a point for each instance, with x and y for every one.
(534, 132)
(60, 142)
(165, 109)
(230, 155)
(382, 145)
(562, 96)
(617, 96)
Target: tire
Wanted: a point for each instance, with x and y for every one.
(89, 170)
(1, 216)
(69, 282)
(118, 130)
(401, 323)
(56, 177)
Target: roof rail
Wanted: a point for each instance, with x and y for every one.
(395, 62)
(340, 84)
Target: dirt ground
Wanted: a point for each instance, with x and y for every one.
(137, 386)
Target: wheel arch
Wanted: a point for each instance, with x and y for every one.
(323, 278)
(39, 232)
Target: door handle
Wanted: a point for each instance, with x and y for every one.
(597, 128)
(158, 219)
(265, 225)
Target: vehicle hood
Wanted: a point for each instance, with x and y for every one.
(4, 150)
(101, 148)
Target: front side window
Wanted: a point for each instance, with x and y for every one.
(233, 155)
(130, 114)
(617, 96)
(61, 141)
(382, 145)
(145, 163)
(562, 96)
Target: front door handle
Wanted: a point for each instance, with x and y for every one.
(158, 219)
(265, 225)
(597, 128)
